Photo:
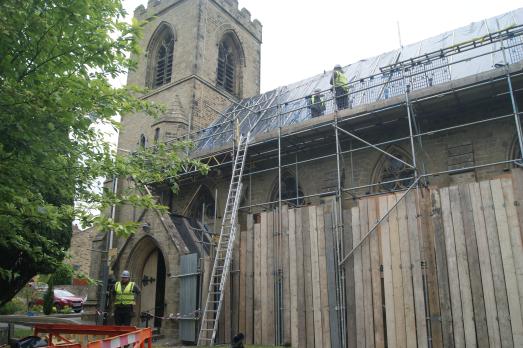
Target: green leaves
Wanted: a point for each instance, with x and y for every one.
(56, 58)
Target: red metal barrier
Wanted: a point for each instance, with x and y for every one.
(116, 336)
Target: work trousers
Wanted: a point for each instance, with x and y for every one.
(342, 98)
(123, 315)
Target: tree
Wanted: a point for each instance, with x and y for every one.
(56, 61)
(48, 299)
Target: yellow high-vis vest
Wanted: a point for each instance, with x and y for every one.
(317, 100)
(125, 296)
(340, 80)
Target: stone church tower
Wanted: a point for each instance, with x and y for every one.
(197, 57)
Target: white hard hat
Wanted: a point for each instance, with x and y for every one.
(317, 90)
(337, 66)
(126, 274)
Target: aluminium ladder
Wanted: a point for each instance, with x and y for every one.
(222, 260)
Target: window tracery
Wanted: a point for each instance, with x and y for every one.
(161, 51)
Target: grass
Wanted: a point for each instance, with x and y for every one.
(249, 346)
(23, 331)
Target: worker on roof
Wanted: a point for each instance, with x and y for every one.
(341, 87)
(124, 293)
(316, 103)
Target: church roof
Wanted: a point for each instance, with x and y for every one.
(452, 55)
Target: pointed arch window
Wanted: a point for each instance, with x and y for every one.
(291, 192)
(391, 174)
(203, 208)
(228, 70)
(143, 141)
(157, 135)
(161, 50)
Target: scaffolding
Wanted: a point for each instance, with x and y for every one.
(401, 87)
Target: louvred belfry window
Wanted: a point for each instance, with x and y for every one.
(164, 61)
(225, 76)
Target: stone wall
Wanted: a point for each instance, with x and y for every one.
(80, 250)
(489, 143)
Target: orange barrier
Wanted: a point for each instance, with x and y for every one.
(116, 336)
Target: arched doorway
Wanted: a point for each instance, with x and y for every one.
(148, 268)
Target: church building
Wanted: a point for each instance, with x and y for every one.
(391, 219)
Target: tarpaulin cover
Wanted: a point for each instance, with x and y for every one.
(371, 80)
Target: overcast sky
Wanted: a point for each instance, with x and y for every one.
(302, 38)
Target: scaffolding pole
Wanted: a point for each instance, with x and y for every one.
(513, 100)
(376, 147)
(279, 275)
(338, 220)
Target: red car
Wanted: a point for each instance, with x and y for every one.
(64, 298)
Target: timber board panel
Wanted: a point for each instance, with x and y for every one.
(358, 279)
(264, 289)
(315, 274)
(453, 273)
(258, 284)
(427, 234)
(349, 276)
(270, 325)
(474, 267)
(235, 287)
(508, 262)
(515, 235)
(226, 310)
(463, 270)
(324, 286)
(366, 273)
(408, 293)
(496, 262)
(293, 278)
(249, 286)
(517, 181)
(242, 322)
(485, 268)
(349, 279)
(375, 251)
(307, 276)
(286, 276)
(302, 321)
(442, 270)
(417, 275)
(207, 269)
(397, 278)
(331, 275)
(387, 274)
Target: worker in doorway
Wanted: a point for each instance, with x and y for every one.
(316, 103)
(341, 87)
(124, 293)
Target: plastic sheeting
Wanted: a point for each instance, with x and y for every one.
(371, 80)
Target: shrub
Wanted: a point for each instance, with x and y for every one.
(63, 275)
(49, 299)
(12, 307)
